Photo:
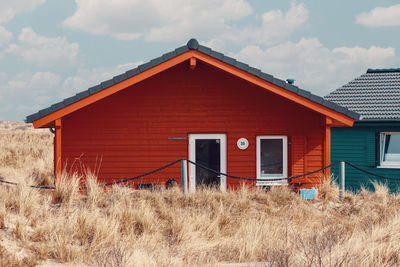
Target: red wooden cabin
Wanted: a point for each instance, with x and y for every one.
(194, 103)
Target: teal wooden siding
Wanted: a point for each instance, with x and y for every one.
(358, 145)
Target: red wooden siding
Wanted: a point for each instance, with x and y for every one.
(126, 134)
(298, 152)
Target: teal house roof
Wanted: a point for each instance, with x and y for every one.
(193, 45)
(375, 95)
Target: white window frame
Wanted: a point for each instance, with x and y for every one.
(383, 164)
(192, 157)
(284, 161)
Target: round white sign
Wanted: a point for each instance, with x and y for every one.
(243, 143)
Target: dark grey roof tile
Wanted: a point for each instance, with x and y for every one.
(229, 60)
(120, 78)
(279, 83)
(181, 50)
(145, 66)
(204, 49)
(32, 117)
(292, 88)
(57, 106)
(157, 61)
(316, 99)
(330, 104)
(303, 93)
(82, 94)
(168, 56)
(106, 84)
(267, 77)
(242, 66)
(95, 89)
(341, 109)
(70, 100)
(254, 71)
(132, 72)
(353, 114)
(217, 55)
(45, 111)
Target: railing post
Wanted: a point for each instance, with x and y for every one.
(184, 175)
(342, 180)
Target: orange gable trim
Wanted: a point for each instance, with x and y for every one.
(338, 118)
(111, 90)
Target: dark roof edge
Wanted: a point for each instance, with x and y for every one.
(375, 123)
(383, 70)
(368, 120)
(192, 44)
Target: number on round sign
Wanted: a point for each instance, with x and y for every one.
(242, 143)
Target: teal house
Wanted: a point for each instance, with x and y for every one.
(373, 143)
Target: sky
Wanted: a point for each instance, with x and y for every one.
(52, 49)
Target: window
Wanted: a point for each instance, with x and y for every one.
(271, 159)
(390, 150)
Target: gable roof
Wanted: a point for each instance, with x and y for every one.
(180, 54)
(375, 95)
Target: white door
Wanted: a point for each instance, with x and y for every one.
(208, 150)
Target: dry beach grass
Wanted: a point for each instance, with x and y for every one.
(123, 227)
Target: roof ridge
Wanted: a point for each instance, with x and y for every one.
(192, 44)
(383, 70)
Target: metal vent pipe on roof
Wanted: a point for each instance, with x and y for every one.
(290, 81)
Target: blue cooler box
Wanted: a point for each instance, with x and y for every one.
(308, 194)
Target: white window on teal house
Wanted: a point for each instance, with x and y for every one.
(390, 149)
(271, 159)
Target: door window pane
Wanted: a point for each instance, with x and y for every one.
(271, 157)
(208, 154)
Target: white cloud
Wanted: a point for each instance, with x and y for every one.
(202, 18)
(212, 20)
(5, 36)
(10, 8)
(156, 20)
(25, 93)
(380, 16)
(275, 26)
(86, 78)
(315, 67)
(44, 51)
